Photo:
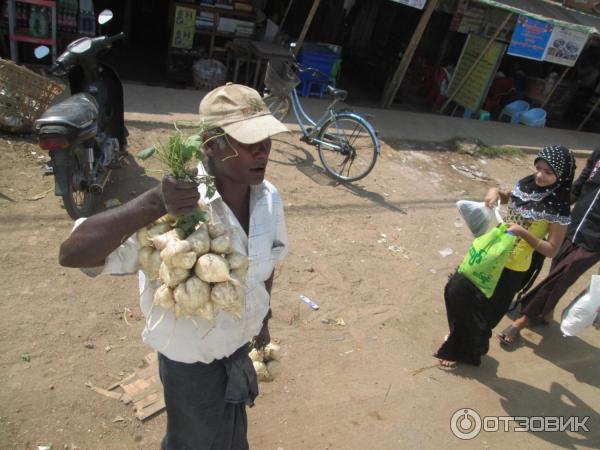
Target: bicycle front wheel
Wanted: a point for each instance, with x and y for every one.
(278, 105)
(347, 147)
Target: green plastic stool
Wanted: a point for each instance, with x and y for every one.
(484, 115)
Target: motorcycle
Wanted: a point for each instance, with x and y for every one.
(85, 134)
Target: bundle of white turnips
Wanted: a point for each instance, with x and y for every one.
(266, 361)
(478, 217)
(583, 311)
(191, 257)
(199, 273)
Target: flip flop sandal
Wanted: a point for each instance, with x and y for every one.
(510, 336)
(447, 365)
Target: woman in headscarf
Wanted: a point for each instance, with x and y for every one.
(538, 215)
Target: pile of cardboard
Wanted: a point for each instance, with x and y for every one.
(142, 388)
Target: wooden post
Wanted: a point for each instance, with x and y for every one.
(479, 58)
(549, 96)
(304, 31)
(391, 89)
(589, 114)
(285, 14)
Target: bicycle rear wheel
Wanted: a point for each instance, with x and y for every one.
(278, 105)
(348, 148)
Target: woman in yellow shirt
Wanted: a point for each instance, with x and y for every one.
(538, 215)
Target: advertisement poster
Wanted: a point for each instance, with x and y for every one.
(530, 38)
(184, 27)
(419, 4)
(475, 89)
(565, 46)
(471, 18)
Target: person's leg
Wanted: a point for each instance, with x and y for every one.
(544, 287)
(509, 283)
(233, 434)
(197, 415)
(463, 344)
(563, 275)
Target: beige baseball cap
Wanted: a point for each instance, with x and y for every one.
(240, 112)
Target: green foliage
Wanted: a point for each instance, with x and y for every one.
(180, 154)
(478, 148)
(188, 222)
(492, 151)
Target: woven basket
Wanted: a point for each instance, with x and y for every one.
(280, 77)
(24, 96)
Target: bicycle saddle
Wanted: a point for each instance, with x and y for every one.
(340, 94)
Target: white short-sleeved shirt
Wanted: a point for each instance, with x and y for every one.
(192, 340)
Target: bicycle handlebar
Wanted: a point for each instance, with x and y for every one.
(307, 69)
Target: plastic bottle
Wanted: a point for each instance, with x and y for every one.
(69, 16)
(5, 12)
(21, 15)
(34, 22)
(59, 16)
(82, 23)
(27, 10)
(75, 9)
(44, 21)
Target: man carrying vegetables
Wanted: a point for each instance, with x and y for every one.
(207, 376)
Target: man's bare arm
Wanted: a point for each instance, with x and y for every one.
(99, 235)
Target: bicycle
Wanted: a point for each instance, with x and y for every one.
(344, 139)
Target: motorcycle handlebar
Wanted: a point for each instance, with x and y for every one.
(57, 69)
(116, 37)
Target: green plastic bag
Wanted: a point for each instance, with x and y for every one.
(486, 258)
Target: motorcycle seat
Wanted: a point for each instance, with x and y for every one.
(78, 111)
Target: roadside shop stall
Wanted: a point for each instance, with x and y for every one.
(511, 48)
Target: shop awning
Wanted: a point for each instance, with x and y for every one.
(550, 12)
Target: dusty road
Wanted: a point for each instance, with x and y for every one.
(368, 254)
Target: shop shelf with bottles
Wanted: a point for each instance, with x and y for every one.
(31, 21)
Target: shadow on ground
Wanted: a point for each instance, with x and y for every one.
(294, 155)
(125, 183)
(523, 400)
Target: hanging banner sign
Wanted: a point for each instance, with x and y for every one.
(419, 4)
(530, 38)
(184, 27)
(565, 46)
(475, 89)
(475, 18)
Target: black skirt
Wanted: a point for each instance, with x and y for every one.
(472, 316)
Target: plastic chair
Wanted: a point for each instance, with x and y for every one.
(501, 87)
(514, 110)
(535, 117)
(483, 114)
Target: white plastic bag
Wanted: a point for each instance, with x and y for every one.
(478, 217)
(582, 311)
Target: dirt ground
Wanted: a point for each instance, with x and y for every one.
(367, 253)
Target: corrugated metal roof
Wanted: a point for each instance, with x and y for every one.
(552, 12)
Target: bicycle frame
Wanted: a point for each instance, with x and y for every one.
(310, 134)
(334, 134)
(303, 118)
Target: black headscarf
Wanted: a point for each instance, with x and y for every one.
(550, 203)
